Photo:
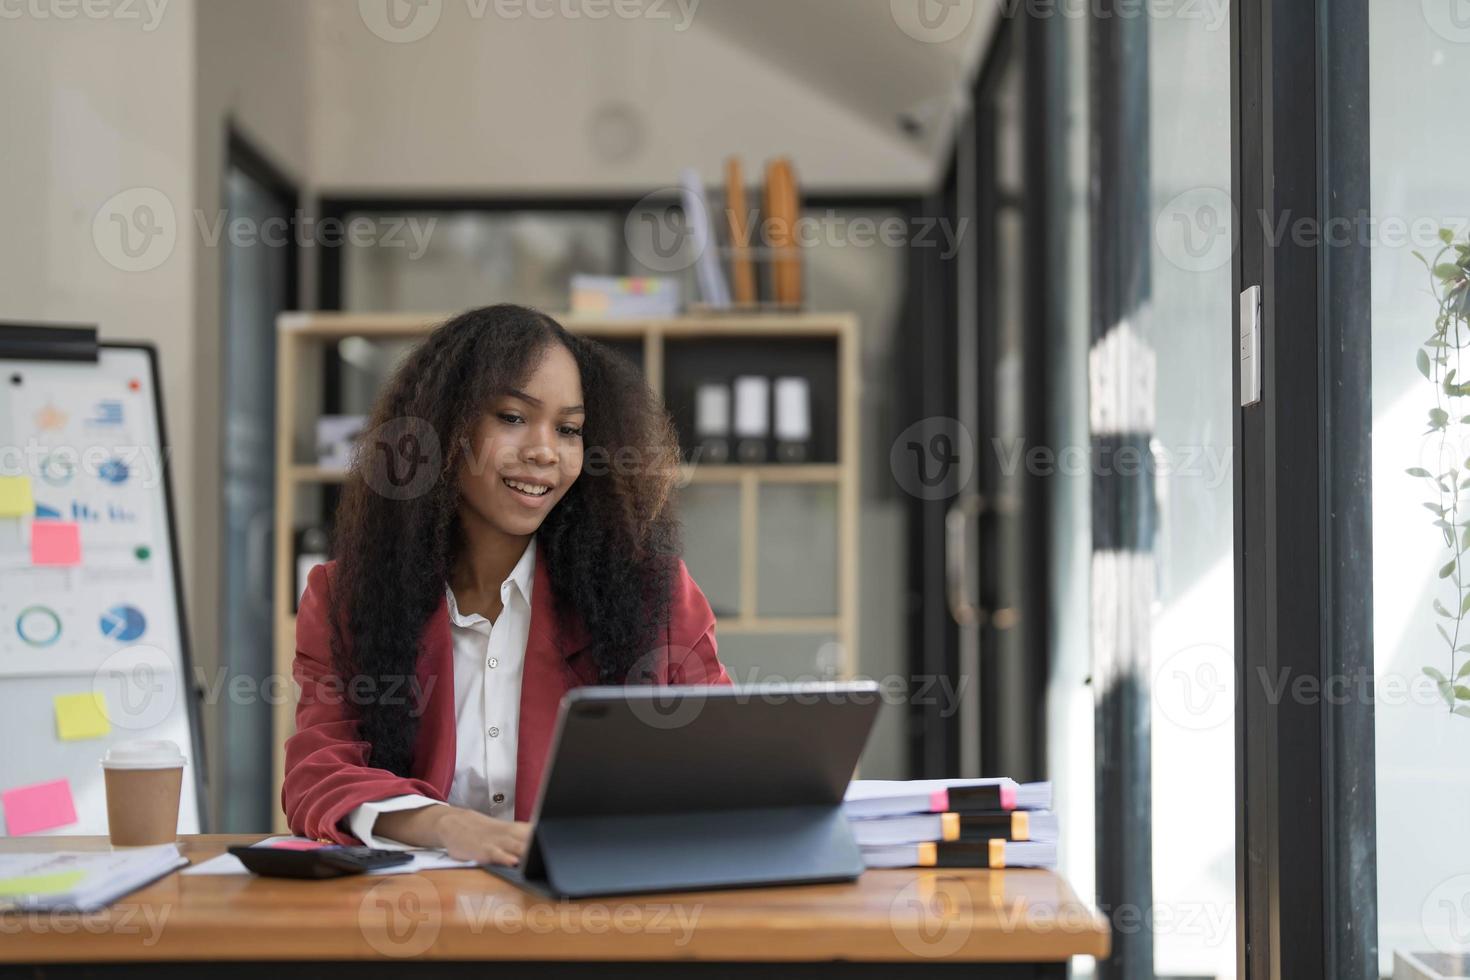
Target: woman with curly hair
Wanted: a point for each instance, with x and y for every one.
(506, 535)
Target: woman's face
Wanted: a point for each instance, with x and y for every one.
(527, 451)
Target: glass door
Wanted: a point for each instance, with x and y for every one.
(1419, 60)
(259, 283)
(1007, 621)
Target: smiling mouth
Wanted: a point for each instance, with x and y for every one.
(526, 489)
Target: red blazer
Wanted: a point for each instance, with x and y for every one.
(327, 771)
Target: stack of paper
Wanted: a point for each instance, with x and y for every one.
(953, 823)
(81, 881)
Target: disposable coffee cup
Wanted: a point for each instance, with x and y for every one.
(144, 778)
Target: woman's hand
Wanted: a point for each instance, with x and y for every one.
(467, 835)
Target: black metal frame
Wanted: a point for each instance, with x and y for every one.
(931, 390)
(1020, 43)
(1043, 100)
(1305, 788)
(1122, 504)
(244, 156)
(989, 201)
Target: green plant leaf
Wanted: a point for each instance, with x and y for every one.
(1444, 633)
(1438, 677)
(1464, 669)
(1447, 272)
(1417, 471)
(1460, 302)
(1423, 361)
(1465, 604)
(1462, 693)
(1438, 418)
(1436, 508)
(1463, 711)
(1439, 608)
(1447, 570)
(1446, 692)
(1446, 235)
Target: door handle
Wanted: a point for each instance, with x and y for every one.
(963, 609)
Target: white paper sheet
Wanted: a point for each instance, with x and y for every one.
(425, 860)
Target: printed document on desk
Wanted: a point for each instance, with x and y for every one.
(425, 860)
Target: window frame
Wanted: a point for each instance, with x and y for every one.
(1305, 768)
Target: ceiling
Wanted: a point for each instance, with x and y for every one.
(902, 65)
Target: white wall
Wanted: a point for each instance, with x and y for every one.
(489, 105)
(97, 107)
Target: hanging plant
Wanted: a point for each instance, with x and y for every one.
(1440, 362)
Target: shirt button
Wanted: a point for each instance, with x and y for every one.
(493, 662)
(494, 733)
(498, 798)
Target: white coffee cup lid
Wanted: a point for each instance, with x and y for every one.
(144, 753)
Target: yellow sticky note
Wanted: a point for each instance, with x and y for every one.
(15, 497)
(60, 881)
(81, 716)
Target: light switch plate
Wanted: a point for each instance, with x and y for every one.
(1250, 346)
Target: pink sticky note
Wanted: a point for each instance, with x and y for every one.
(40, 806)
(56, 543)
(297, 845)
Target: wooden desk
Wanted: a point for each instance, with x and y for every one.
(887, 924)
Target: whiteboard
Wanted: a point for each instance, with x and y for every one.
(87, 436)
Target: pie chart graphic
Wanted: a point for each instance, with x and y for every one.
(114, 471)
(57, 470)
(123, 623)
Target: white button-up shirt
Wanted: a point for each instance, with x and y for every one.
(488, 662)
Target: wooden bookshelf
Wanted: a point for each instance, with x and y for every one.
(303, 338)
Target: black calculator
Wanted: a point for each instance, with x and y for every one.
(331, 861)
